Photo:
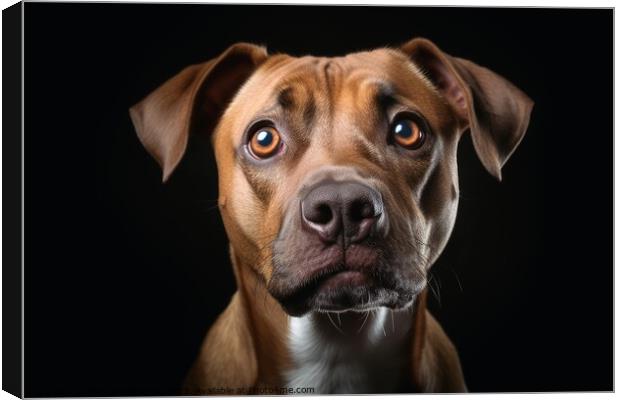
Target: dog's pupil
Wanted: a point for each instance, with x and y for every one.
(264, 138)
(402, 129)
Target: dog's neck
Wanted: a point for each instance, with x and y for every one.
(350, 352)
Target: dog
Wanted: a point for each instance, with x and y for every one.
(338, 190)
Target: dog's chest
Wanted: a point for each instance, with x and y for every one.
(369, 357)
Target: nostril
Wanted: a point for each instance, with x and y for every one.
(319, 214)
(361, 209)
(323, 214)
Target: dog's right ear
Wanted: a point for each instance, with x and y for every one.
(192, 100)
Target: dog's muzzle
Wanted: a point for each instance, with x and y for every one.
(336, 250)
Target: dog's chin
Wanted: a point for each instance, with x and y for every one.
(348, 291)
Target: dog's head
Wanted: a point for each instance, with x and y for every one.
(337, 176)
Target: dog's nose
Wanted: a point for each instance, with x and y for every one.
(333, 208)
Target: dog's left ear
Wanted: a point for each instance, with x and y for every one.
(496, 112)
(193, 100)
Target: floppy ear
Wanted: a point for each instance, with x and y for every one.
(496, 112)
(192, 101)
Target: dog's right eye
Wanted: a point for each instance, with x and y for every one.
(265, 142)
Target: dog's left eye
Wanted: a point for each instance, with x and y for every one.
(407, 133)
(265, 142)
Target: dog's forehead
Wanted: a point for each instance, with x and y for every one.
(383, 66)
(309, 83)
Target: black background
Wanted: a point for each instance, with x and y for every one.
(124, 275)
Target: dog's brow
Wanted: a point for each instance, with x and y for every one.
(385, 95)
(287, 101)
(285, 97)
(284, 100)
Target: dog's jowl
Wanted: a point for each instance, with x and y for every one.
(338, 189)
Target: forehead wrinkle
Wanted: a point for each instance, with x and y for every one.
(283, 97)
(296, 102)
(292, 89)
(381, 93)
(371, 96)
(330, 76)
(284, 73)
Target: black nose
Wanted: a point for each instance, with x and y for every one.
(332, 209)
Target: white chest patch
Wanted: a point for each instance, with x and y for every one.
(349, 352)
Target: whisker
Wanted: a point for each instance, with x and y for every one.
(457, 279)
(363, 323)
(329, 316)
(383, 327)
(431, 285)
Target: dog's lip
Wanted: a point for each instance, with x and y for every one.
(330, 278)
(355, 272)
(353, 268)
(303, 296)
(327, 278)
(342, 278)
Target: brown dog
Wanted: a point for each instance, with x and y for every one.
(338, 189)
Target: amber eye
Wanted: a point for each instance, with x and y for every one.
(407, 133)
(265, 142)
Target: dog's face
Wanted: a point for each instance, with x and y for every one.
(354, 179)
(338, 176)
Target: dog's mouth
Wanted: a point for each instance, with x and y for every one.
(358, 282)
